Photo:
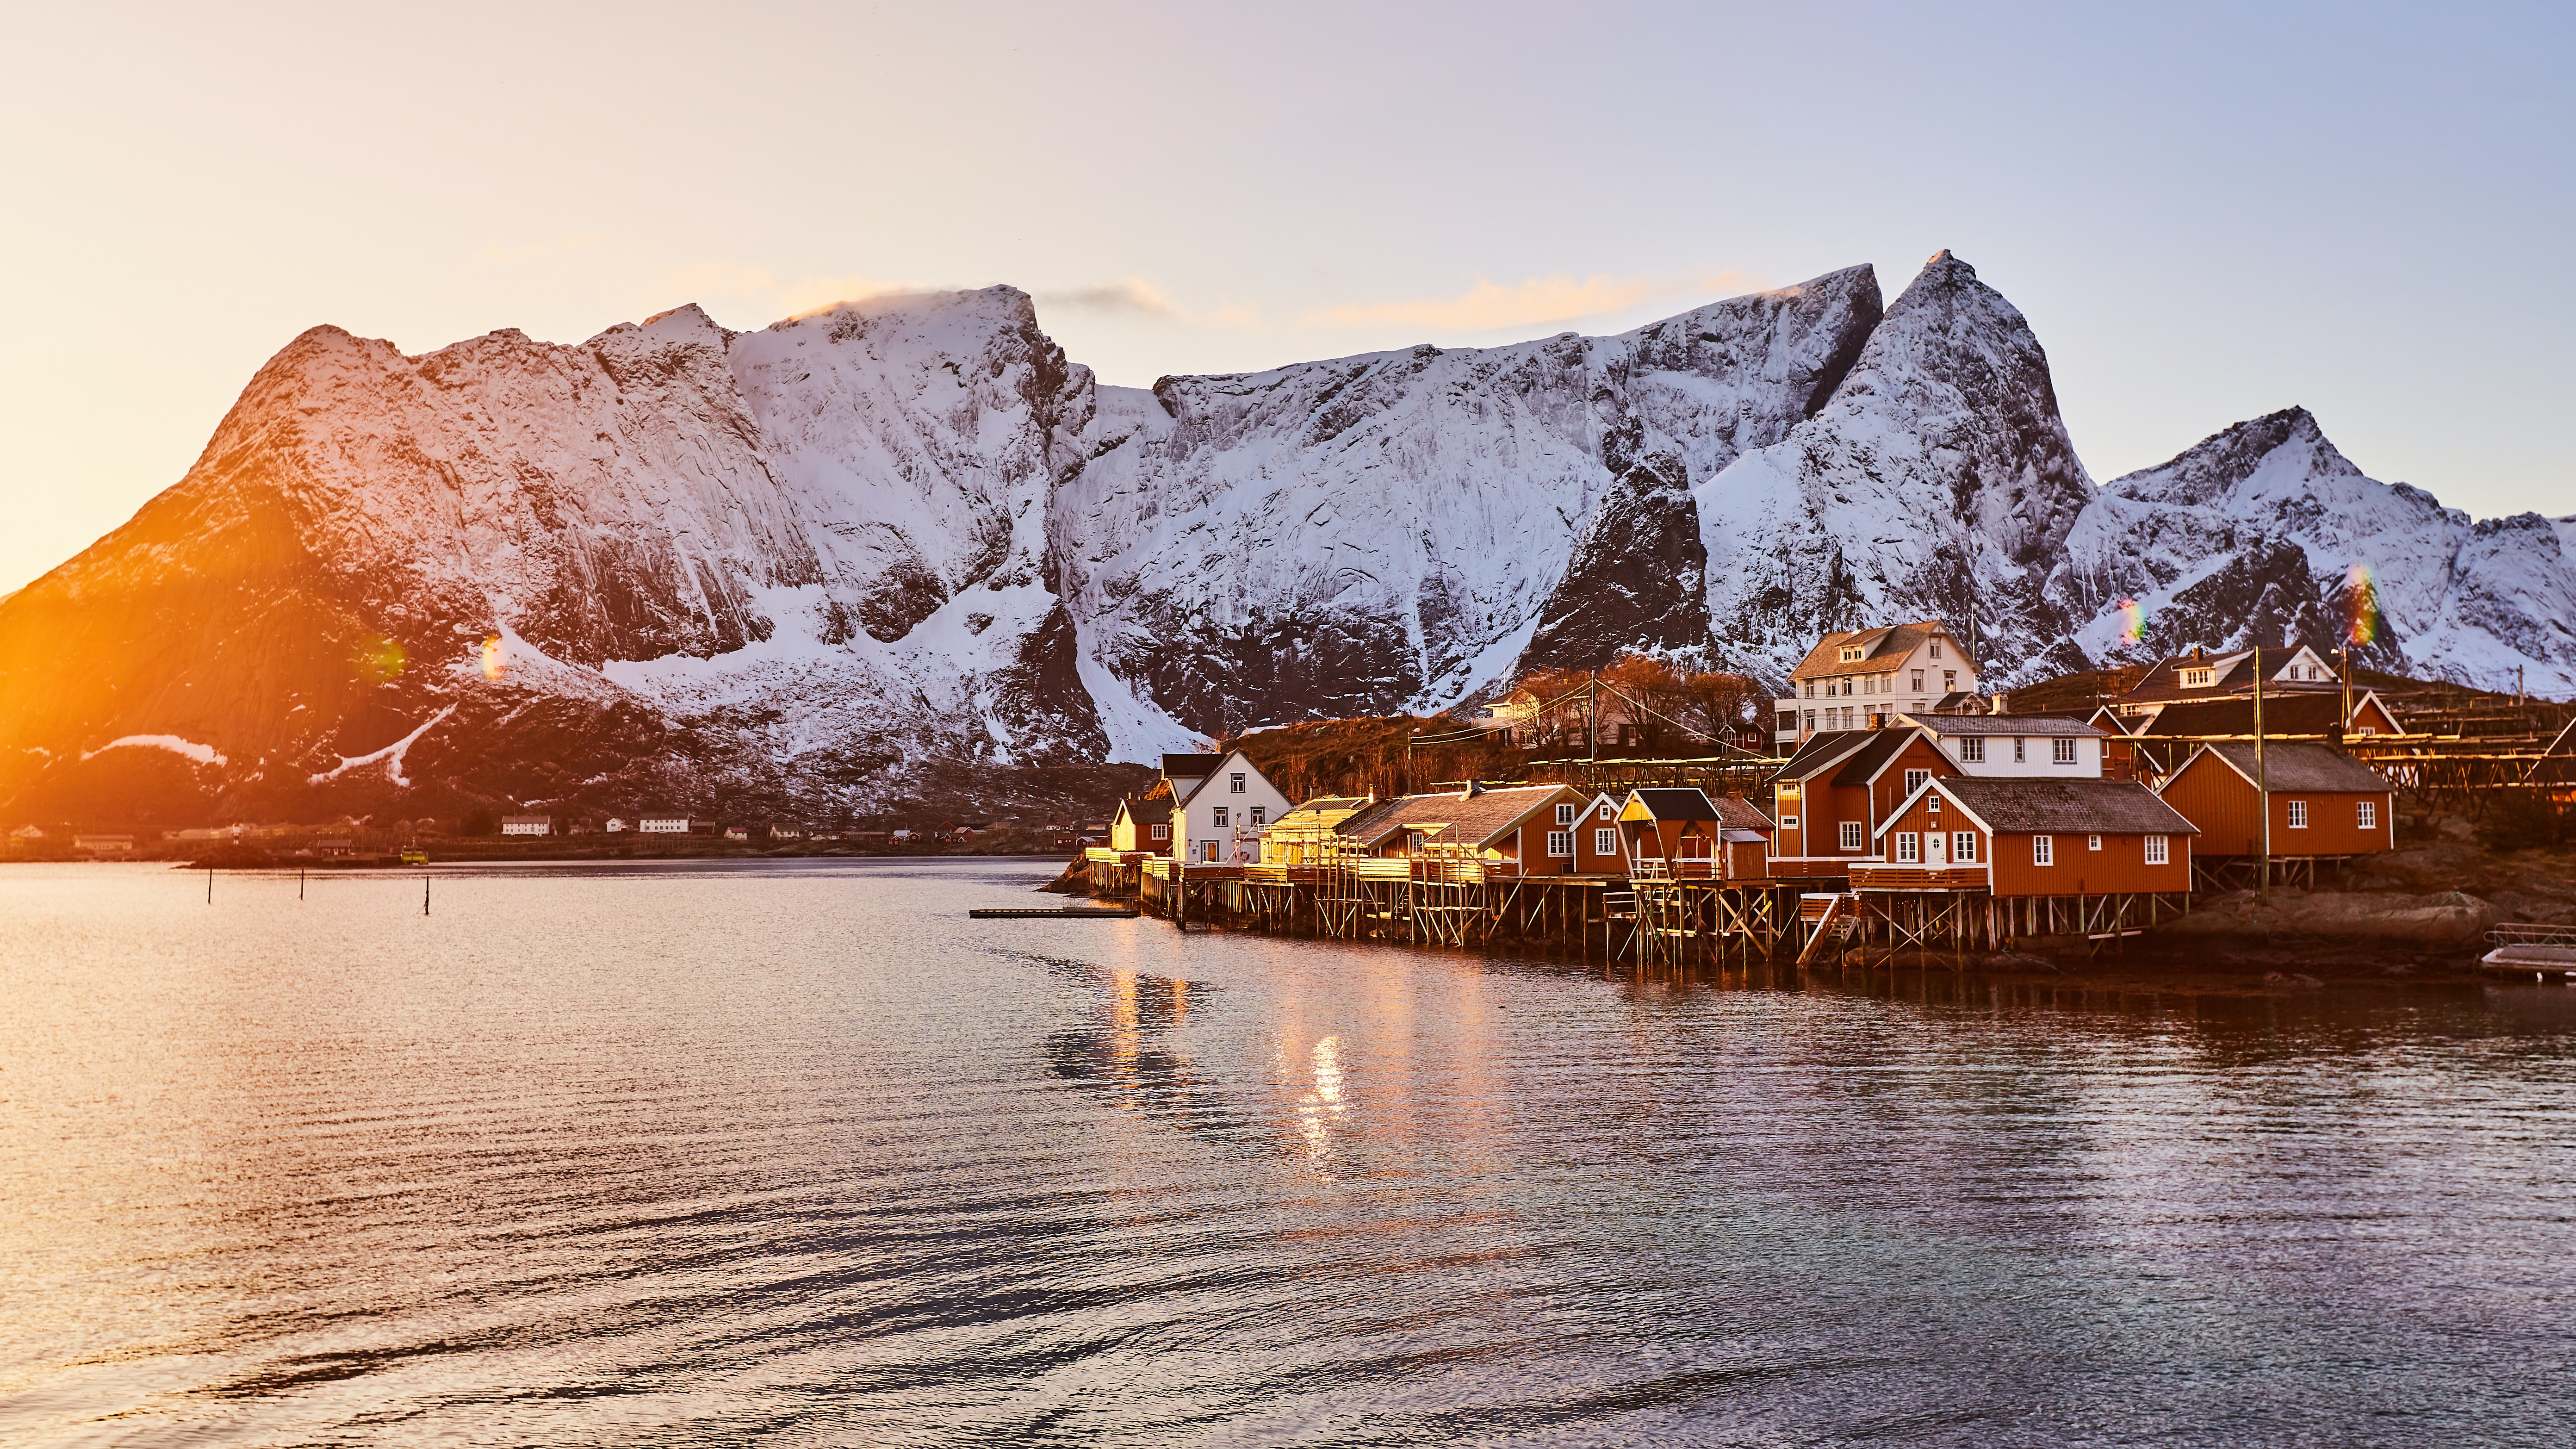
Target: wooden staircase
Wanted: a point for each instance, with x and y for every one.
(1835, 916)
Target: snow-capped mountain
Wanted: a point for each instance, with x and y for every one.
(871, 552)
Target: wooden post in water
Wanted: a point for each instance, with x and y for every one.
(424, 893)
(210, 885)
(299, 883)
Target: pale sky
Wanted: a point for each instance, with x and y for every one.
(2206, 214)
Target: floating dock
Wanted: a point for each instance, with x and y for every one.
(1051, 913)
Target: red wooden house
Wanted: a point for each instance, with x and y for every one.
(1831, 796)
(2323, 802)
(1520, 830)
(2025, 837)
(1598, 848)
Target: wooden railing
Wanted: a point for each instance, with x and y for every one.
(1879, 875)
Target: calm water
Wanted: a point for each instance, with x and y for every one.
(612, 1156)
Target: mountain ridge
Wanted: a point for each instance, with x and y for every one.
(812, 568)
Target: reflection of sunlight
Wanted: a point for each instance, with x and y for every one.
(1124, 1038)
(1316, 1109)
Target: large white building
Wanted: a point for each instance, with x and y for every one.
(1850, 680)
(1220, 806)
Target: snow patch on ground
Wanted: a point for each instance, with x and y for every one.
(391, 756)
(202, 754)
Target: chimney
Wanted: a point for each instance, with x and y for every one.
(2002, 702)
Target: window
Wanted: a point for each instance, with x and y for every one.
(1788, 822)
(2198, 678)
(1931, 804)
(1162, 832)
(2155, 850)
(1972, 750)
(1963, 847)
(1918, 681)
(1847, 685)
(1207, 851)
(1220, 817)
(1811, 689)
(2369, 815)
(1565, 812)
(1605, 841)
(2043, 850)
(1936, 649)
(1916, 780)
(1607, 811)
(1811, 718)
(2092, 842)
(1237, 777)
(1851, 835)
(1260, 814)
(1413, 841)
(2017, 753)
(2061, 752)
(1850, 653)
(2298, 815)
(1909, 847)
(1560, 842)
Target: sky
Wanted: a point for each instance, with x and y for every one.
(2207, 212)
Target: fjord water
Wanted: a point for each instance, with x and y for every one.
(627, 1155)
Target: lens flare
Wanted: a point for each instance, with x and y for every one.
(2361, 606)
(2133, 622)
(494, 658)
(379, 660)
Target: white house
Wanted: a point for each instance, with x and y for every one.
(1849, 679)
(2016, 746)
(616, 825)
(1220, 806)
(527, 825)
(662, 824)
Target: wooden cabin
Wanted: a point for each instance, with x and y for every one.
(1302, 837)
(1687, 833)
(1598, 849)
(1142, 826)
(2323, 802)
(1831, 796)
(1517, 830)
(2020, 836)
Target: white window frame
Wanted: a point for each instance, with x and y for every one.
(1158, 832)
(1963, 847)
(1605, 840)
(1849, 837)
(2157, 850)
(1260, 816)
(1788, 822)
(2298, 815)
(1972, 750)
(2061, 751)
(2092, 842)
(1918, 681)
(1237, 778)
(1565, 811)
(2043, 850)
(1560, 843)
(1909, 847)
(1916, 780)
(1607, 811)
(1936, 651)
(1218, 820)
(2019, 756)
(2368, 816)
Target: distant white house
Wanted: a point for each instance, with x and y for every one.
(103, 844)
(27, 832)
(616, 825)
(527, 825)
(1220, 806)
(662, 824)
(737, 832)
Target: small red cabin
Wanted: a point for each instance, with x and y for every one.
(2324, 803)
(2039, 837)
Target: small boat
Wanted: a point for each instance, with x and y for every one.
(414, 855)
(2541, 950)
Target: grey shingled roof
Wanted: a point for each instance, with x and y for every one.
(1821, 749)
(1191, 766)
(2065, 807)
(2033, 726)
(2292, 714)
(1734, 812)
(1149, 812)
(2302, 765)
(1875, 755)
(1474, 819)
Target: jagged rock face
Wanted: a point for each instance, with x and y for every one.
(1637, 577)
(1387, 532)
(1936, 481)
(2252, 535)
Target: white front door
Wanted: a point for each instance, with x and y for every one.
(1936, 848)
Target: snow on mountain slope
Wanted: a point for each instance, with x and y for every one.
(1387, 531)
(2250, 536)
(1937, 480)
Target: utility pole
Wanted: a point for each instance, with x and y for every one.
(2345, 721)
(2262, 789)
(1592, 718)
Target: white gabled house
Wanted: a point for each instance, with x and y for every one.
(1220, 806)
(1861, 678)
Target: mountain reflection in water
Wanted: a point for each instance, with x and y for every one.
(703, 1154)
